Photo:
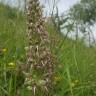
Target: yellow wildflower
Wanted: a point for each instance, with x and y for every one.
(11, 65)
(4, 49)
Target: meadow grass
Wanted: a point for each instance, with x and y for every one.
(75, 63)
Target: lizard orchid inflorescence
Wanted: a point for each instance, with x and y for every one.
(39, 58)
